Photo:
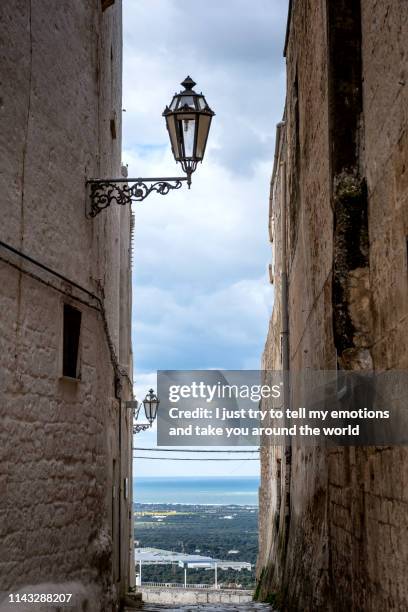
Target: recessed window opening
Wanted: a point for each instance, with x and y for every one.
(72, 331)
(406, 241)
(106, 3)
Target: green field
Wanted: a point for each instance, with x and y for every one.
(213, 531)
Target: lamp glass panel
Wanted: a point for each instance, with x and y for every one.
(171, 124)
(150, 407)
(174, 103)
(201, 103)
(146, 404)
(203, 129)
(188, 129)
(187, 100)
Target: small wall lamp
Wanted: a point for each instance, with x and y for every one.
(151, 404)
(188, 120)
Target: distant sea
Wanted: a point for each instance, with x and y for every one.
(200, 490)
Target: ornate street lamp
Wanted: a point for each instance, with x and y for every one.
(151, 403)
(188, 120)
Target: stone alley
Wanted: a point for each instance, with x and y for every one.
(271, 241)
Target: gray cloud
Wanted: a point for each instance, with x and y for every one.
(202, 331)
(227, 32)
(201, 294)
(233, 49)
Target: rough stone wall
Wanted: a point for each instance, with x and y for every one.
(64, 516)
(270, 491)
(346, 547)
(385, 100)
(181, 597)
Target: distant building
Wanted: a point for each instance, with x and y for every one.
(333, 523)
(65, 300)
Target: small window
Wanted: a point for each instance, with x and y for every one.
(72, 331)
(407, 250)
(271, 278)
(106, 3)
(113, 129)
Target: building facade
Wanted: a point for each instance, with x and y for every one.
(333, 523)
(65, 300)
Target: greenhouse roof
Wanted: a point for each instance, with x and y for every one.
(157, 556)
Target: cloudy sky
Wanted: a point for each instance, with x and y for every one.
(201, 295)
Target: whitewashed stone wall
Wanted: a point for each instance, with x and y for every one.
(64, 445)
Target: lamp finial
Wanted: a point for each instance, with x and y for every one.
(188, 83)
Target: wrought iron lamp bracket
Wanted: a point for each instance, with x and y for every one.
(141, 427)
(104, 192)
